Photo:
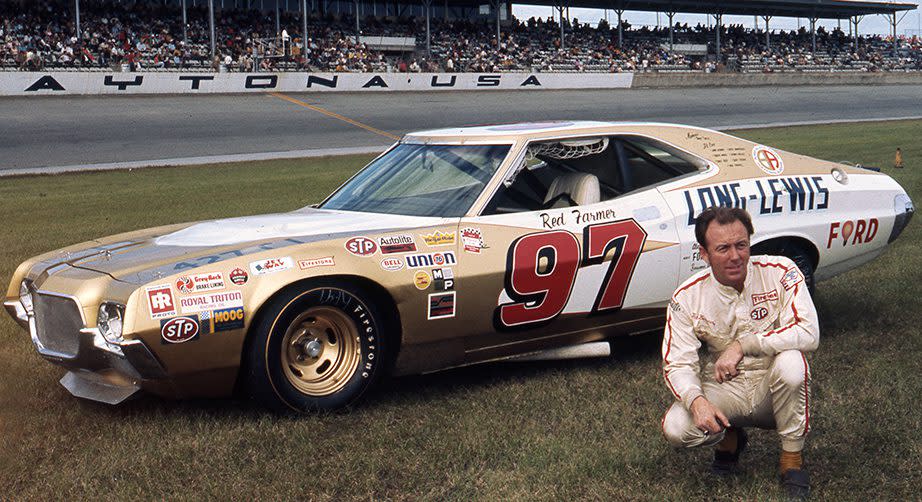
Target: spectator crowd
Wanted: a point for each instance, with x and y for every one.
(41, 35)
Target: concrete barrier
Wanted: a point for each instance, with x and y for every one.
(673, 80)
(69, 83)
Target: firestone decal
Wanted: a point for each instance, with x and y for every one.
(768, 160)
(769, 296)
(326, 261)
(160, 301)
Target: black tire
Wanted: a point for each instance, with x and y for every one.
(317, 349)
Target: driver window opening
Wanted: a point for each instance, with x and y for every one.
(578, 172)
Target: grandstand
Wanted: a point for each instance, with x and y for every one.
(455, 36)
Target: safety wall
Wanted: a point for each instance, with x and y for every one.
(67, 83)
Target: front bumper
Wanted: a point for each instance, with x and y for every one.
(98, 369)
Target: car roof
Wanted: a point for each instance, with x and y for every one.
(537, 130)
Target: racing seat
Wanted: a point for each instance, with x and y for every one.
(572, 189)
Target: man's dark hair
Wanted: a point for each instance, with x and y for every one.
(723, 216)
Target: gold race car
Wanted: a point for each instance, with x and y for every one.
(454, 247)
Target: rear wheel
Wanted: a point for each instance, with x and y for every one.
(316, 349)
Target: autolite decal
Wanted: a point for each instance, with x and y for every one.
(397, 244)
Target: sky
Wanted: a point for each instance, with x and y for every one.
(910, 25)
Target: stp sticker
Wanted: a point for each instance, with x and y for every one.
(160, 301)
(397, 244)
(271, 265)
(200, 282)
(422, 279)
(438, 238)
(361, 246)
(472, 239)
(768, 160)
(179, 329)
(392, 264)
(326, 261)
(758, 313)
(238, 276)
(441, 305)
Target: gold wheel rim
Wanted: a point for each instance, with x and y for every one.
(321, 351)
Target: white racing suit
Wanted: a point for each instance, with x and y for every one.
(775, 322)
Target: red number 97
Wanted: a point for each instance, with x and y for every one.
(540, 276)
(541, 269)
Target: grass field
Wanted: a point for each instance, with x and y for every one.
(519, 431)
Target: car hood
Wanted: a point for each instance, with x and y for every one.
(155, 256)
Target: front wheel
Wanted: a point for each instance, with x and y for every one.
(316, 349)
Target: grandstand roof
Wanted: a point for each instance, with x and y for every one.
(823, 9)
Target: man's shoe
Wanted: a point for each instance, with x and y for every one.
(727, 462)
(796, 484)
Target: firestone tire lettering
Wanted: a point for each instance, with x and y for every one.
(265, 375)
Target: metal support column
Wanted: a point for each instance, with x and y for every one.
(671, 15)
(768, 33)
(813, 33)
(427, 4)
(211, 25)
(79, 33)
(358, 28)
(185, 23)
(718, 18)
(620, 32)
(304, 47)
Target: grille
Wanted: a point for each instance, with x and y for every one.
(58, 323)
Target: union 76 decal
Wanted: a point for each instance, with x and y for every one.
(541, 270)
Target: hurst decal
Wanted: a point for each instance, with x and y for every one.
(850, 233)
(541, 270)
(763, 196)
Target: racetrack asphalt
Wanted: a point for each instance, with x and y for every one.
(133, 131)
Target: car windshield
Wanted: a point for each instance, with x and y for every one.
(421, 180)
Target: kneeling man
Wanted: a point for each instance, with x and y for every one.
(757, 320)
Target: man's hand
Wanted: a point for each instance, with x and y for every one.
(725, 367)
(708, 417)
